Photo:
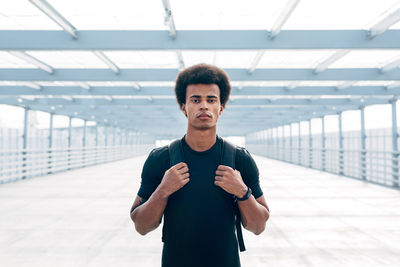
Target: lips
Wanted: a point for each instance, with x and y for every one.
(203, 115)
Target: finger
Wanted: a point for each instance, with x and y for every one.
(224, 168)
(180, 165)
(184, 170)
(220, 173)
(218, 183)
(218, 178)
(185, 175)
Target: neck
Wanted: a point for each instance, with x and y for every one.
(201, 140)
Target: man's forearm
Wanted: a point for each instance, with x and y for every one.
(147, 217)
(254, 215)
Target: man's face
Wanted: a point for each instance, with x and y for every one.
(203, 105)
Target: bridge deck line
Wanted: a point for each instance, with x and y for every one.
(81, 218)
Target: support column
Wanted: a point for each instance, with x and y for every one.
(299, 161)
(69, 141)
(105, 135)
(290, 143)
(96, 139)
(395, 150)
(278, 149)
(363, 159)
(310, 146)
(283, 143)
(323, 139)
(50, 146)
(341, 151)
(114, 130)
(84, 143)
(25, 142)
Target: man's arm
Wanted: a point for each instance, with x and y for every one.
(147, 216)
(254, 213)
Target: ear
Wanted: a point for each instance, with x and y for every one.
(183, 109)
(221, 109)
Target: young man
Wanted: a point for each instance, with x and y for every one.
(197, 196)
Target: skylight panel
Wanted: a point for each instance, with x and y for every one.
(339, 14)
(112, 15)
(69, 59)
(144, 59)
(225, 14)
(22, 15)
(9, 61)
(366, 59)
(292, 58)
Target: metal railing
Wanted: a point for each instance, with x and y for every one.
(381, 167)
(22, 164)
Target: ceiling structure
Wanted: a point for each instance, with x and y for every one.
(115, 62)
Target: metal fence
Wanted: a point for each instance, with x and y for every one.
(22, 164)
(377, 163)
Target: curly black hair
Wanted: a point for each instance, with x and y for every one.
(202, 74)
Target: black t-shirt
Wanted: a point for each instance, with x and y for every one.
(199, 222)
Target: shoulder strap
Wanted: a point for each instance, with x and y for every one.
(228, 159)
(175, 152)
(228, 154)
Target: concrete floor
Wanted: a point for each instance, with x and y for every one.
(81, 218)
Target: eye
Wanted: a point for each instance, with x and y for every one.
(211, 100)
(195, 100)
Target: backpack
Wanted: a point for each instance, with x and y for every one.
(228, 155)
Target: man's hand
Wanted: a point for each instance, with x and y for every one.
(174, 179)
(230, 180)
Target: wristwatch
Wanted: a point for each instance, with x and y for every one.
(246, 197)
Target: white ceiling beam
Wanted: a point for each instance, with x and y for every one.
(393, 85)
(384, 24)
(283, 17)
(324, 64)
(255, 61)
(345, 85)
(32, 60)
(135, 85)
(168, 19)
(391, 65)
(84, 85)
(32, 85)
(293, 85)
(53, 14)
(107, 61)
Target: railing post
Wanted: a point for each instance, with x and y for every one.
(277, 142)
(299, 160)
(283, 143)
(310, 146)
(363, 146)
(25, 142)
(50, 146)
(84, 143)
(341, 151)
(96, 142)
(69, 141)
(323, 140)
(290, 143)
(395, 150)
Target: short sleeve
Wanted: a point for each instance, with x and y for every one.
(153, 171)
(247, 167)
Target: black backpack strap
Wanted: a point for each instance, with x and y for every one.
(228, 154)
(228, 159)
(175, 152)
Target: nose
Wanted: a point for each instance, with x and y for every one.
(203, 105)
